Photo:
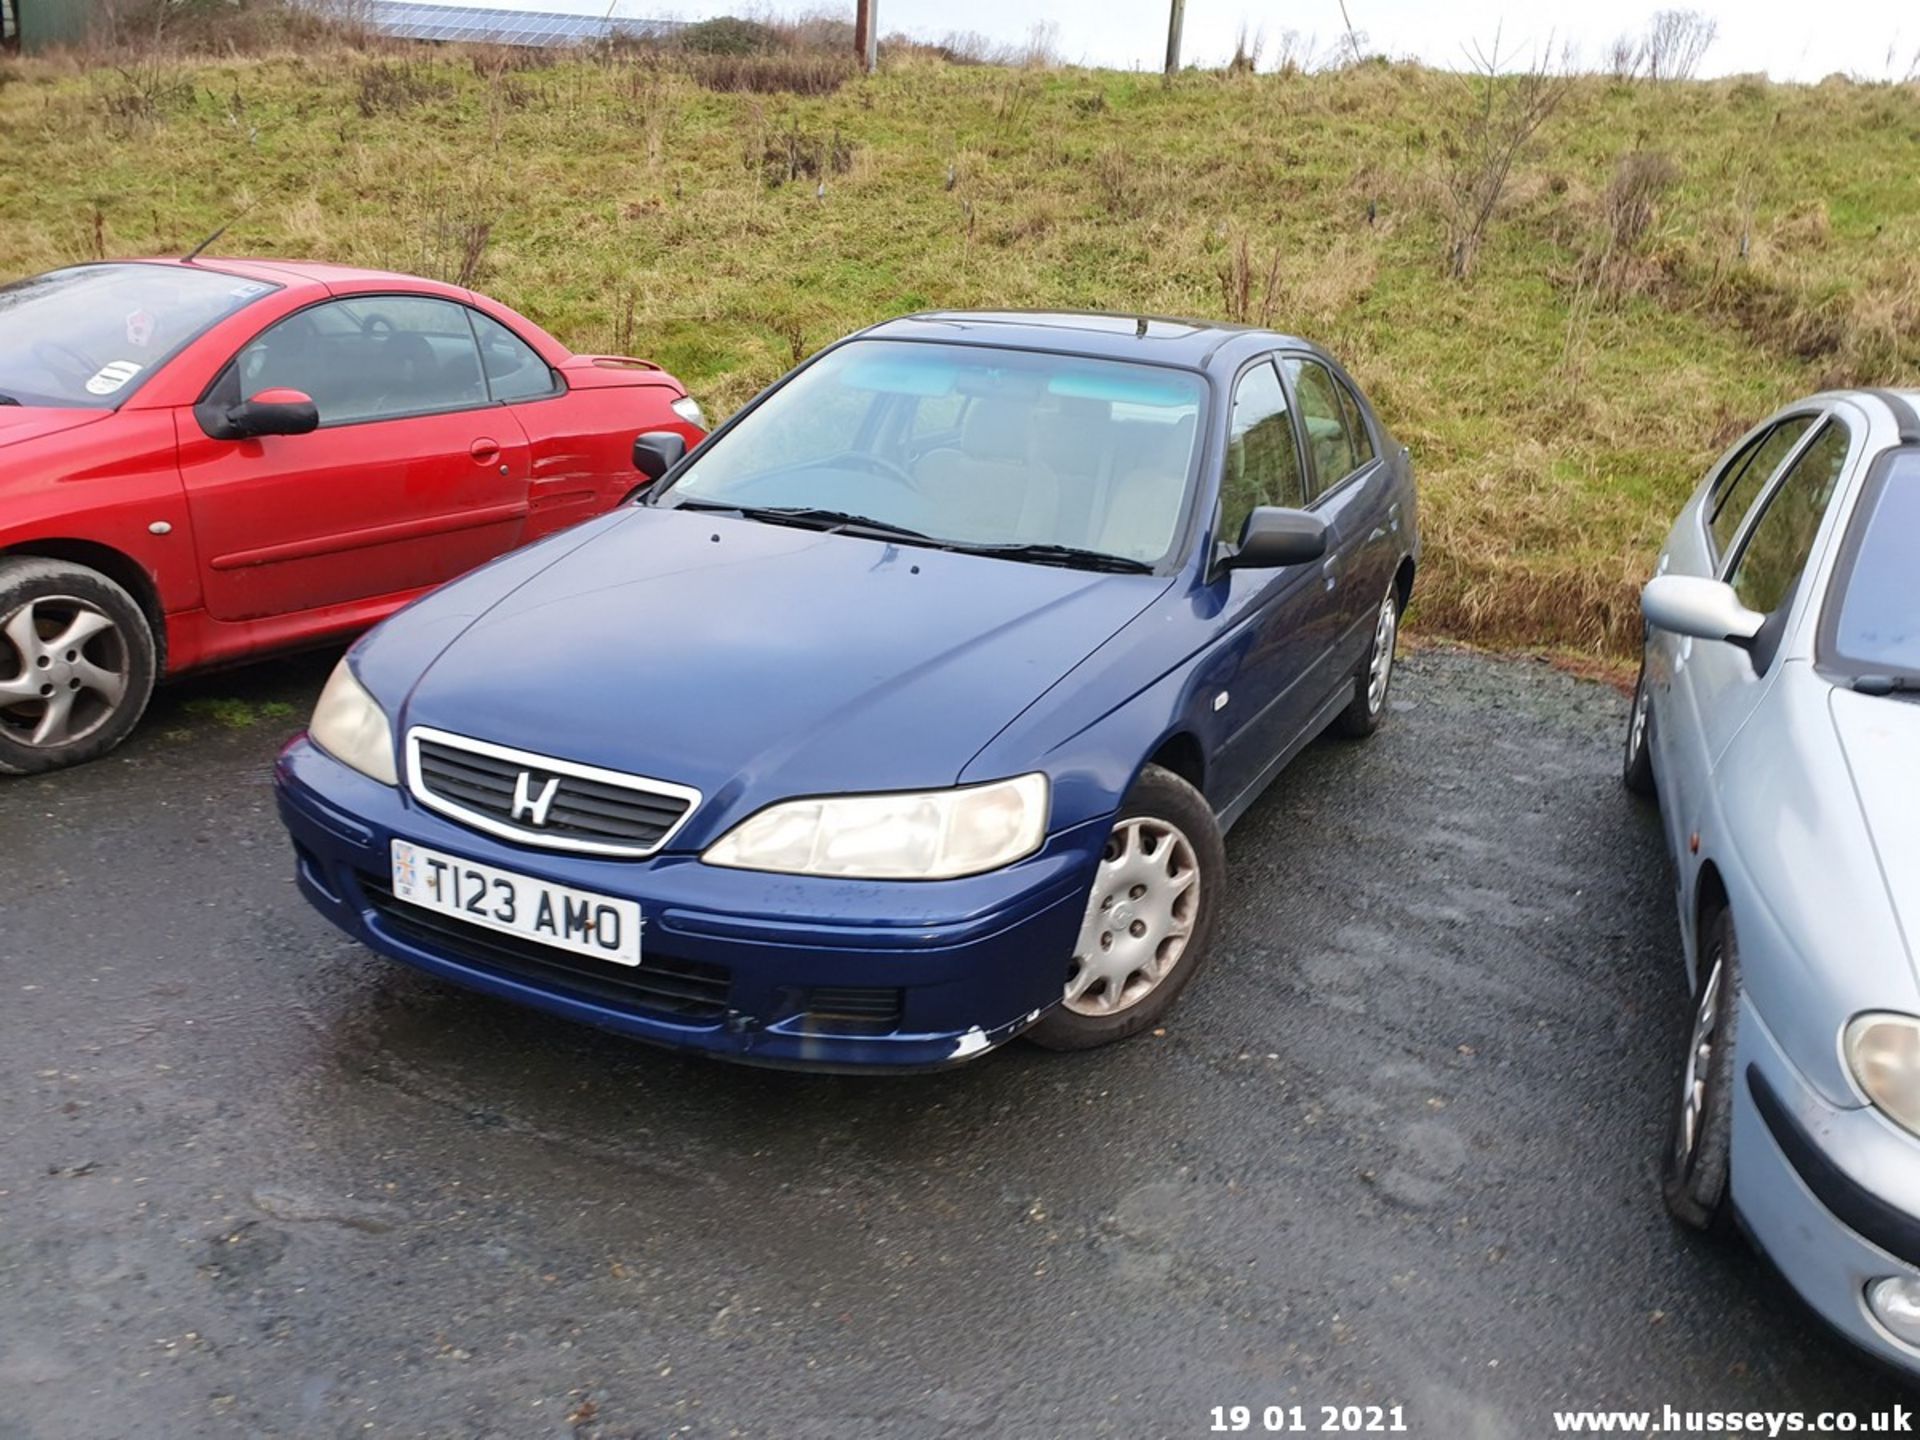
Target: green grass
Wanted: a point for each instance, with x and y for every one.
(630, 208)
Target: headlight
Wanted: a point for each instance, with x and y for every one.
(349, 726)
(1883, 1051)
(688, 409)
(933, 836)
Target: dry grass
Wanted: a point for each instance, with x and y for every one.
(1558, 408)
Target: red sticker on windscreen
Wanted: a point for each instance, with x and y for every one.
(139, 328)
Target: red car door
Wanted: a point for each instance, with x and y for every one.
(414, 476)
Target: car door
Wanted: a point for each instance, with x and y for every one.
(414, 475)
(1719, 684)
(1259, 674)
(1703, 545)
(1350, 488)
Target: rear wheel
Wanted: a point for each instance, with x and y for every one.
(77, 664)
(1695, 1167)
(1636, 771)
(1149, 916)
(1369, 706)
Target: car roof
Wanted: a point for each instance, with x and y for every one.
(291, 273)
(1158, 339)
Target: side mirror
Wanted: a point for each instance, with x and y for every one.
(271, 412)
(1704, 609)
(1273, 537)
(657, 452)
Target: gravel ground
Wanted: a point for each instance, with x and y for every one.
(1395, 1147)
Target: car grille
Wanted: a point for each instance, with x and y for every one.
(682, 989)
(851, 1010)
(540, 801)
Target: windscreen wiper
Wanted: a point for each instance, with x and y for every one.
(1069, 555)
(1887, 684)
(8, 400)
(833, 522)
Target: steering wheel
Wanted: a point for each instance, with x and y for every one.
(58, 355)
(875, 464)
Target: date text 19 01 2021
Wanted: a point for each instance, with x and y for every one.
(1310, 1419)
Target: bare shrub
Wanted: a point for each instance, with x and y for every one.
(1246, 52)
(396, 86)
(1237, 287)
(1624, 57)
(1676, 42)
(801, 155)
(1640, 181)
(784, 73)
(1499, 116)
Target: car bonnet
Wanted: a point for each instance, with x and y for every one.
(757, 662)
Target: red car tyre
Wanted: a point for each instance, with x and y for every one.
(77, 664)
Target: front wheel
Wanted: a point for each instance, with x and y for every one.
(1696, 1163)
(77, 664)
(1636, 769)
(1149, 916)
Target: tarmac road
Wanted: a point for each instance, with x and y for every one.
(1395, 1147)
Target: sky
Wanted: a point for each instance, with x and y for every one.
(1787, 39)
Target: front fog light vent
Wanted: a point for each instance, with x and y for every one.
(1895, 1302)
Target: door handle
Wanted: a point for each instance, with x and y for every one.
(484, 451)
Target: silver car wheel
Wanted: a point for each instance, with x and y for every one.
(1140, 915)
(70, 664)
(1637, 729)
(1693, 1079)
(1386, 630)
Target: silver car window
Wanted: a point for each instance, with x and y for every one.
(1747, 475)
(1780, 541)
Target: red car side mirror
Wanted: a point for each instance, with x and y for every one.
(270, 412)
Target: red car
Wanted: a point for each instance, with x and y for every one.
(203, 461)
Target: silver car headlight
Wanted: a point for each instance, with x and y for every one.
(1883, 1051)
(935, 835)
(688, 409)
(350, 726)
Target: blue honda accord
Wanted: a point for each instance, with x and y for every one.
(903, 716)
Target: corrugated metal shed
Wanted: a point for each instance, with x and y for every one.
(52, 22)
(412, 20)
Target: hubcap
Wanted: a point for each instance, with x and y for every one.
(1637, 728)
(69, 666)
(1693, 1080)
(1140, 917)
(1380, 669)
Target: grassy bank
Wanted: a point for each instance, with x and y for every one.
(1667, 262)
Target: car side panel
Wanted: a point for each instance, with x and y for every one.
(115, 484)
(581, 447)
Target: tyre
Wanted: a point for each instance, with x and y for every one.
(1694, 1169)
(1370, 684)
(1636, 769)
(77, 664)
(1149, 916)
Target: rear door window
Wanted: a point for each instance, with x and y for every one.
(514, 370)
(1325, 421)
(1776, 550)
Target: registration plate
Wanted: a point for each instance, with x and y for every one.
(602, 926)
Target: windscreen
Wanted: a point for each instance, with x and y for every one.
(969, 444)
(1878, 630)
(91, 335)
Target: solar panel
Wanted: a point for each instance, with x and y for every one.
(417, 20)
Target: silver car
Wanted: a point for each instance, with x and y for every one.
(1778, 718)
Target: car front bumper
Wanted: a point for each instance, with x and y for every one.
(1826, 1192)
(781, 970)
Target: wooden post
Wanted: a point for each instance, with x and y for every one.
(1174, 22)
(866, 34)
